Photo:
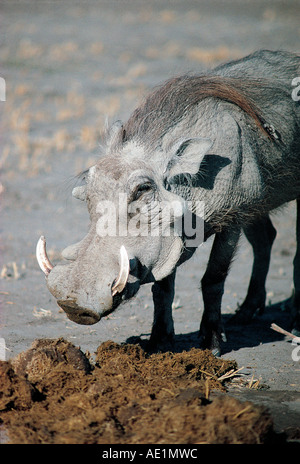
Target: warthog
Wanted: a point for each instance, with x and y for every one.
(228, 140)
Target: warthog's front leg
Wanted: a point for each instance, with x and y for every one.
(222, 252)
(162, 336)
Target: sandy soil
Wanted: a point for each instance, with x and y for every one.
(68, 68)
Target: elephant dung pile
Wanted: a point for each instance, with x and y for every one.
(54, 393)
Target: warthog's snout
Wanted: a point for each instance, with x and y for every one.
(77, 314)
(79, 307)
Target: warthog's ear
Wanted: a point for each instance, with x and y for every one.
(188, 156)
(115, 135)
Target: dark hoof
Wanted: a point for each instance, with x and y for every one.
(216, 352)
(296, 332)
(162, 345)
(212, 343)
(242, 316)
(296, 325)
(285, 305)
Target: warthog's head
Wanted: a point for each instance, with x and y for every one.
(135, 230)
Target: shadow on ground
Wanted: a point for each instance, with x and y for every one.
(250, 335)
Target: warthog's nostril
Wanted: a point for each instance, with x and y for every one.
(79, 315)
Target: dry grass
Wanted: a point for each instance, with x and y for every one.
(39, 125)
(12, 271)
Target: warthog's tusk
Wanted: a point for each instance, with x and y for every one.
(41, 256)
(122, 278)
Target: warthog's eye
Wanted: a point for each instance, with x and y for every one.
(141, 189)
(82, 177)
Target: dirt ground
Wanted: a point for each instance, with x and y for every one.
(69, 66)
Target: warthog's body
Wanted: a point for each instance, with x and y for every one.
(229, 139)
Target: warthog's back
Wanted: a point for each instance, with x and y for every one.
(256, 84)
(246, 107)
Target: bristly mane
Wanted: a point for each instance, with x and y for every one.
(166, 105)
